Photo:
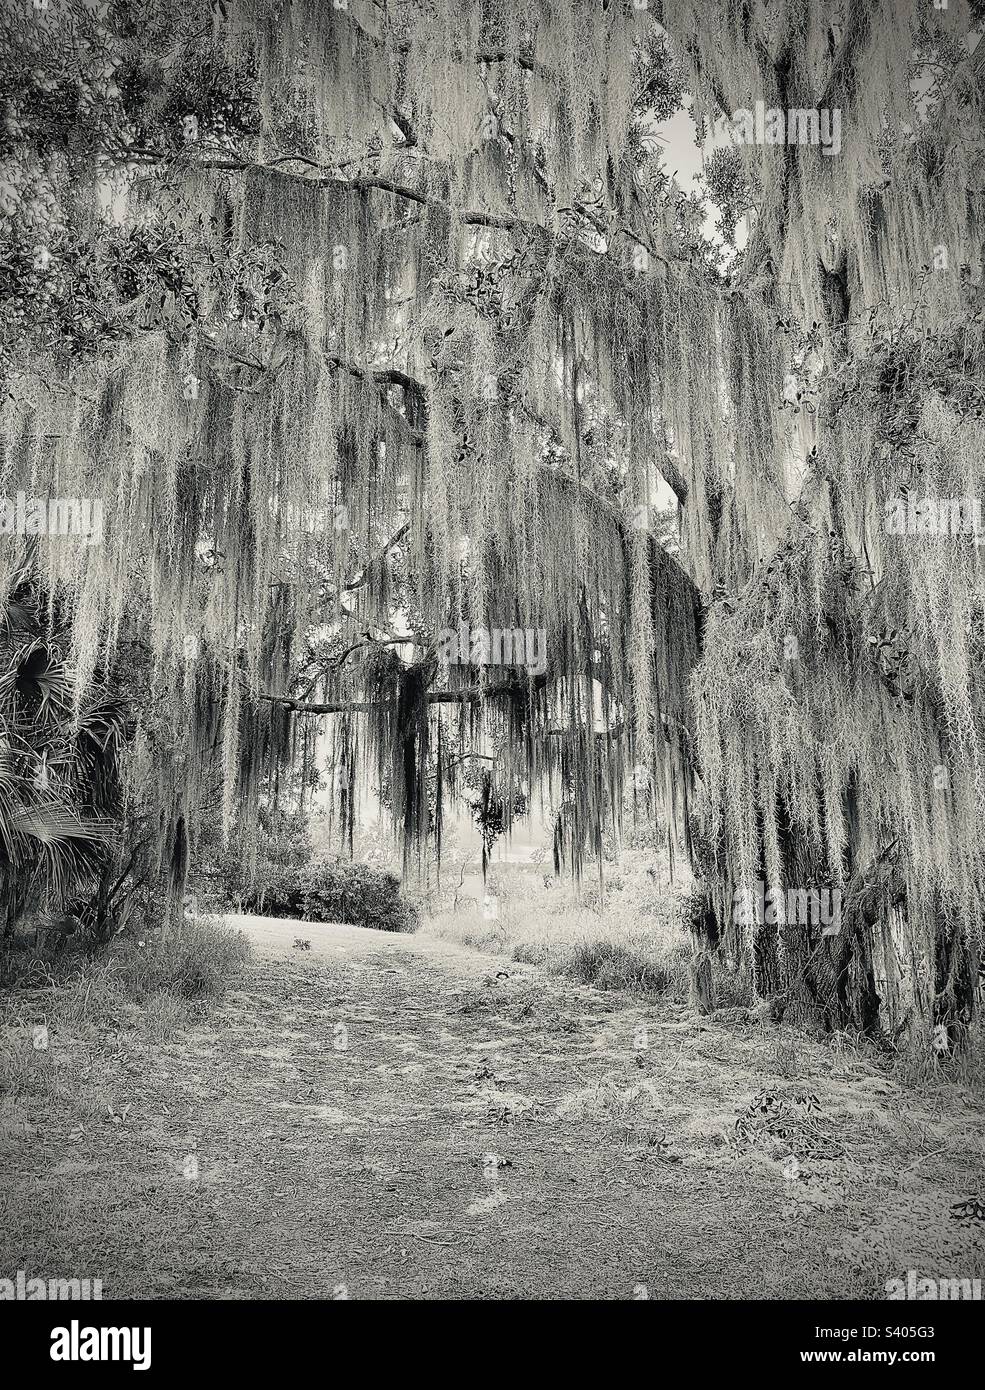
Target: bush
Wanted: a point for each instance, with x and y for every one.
(333, 891)
(614, 965)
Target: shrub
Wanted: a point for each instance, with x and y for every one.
(333, 891)
(615, 965)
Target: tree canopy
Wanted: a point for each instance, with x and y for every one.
(366, 321)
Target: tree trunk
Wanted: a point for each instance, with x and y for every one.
(955, 979)
(702, 983)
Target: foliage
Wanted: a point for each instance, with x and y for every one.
(635, 943)
(410, 328)
(492, 813)
(331, 891)
(279, 840)
(161, 981)
(84, 84)
(60, 794)
(279, 874)
(230, 236)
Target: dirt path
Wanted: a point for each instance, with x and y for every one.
(394, 1117)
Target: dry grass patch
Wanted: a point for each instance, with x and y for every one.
(627, 944)
(55, 1013)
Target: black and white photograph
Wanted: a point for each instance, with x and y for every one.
(492, 702)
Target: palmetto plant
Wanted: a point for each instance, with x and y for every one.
(59, 761)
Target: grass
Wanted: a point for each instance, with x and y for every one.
(855, 1161)
(630, 939)
(634, 1142)
(152, 987)
(82, 1037)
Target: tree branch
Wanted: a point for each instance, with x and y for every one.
(467, 696)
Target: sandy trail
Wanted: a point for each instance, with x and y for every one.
(382, 1116)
